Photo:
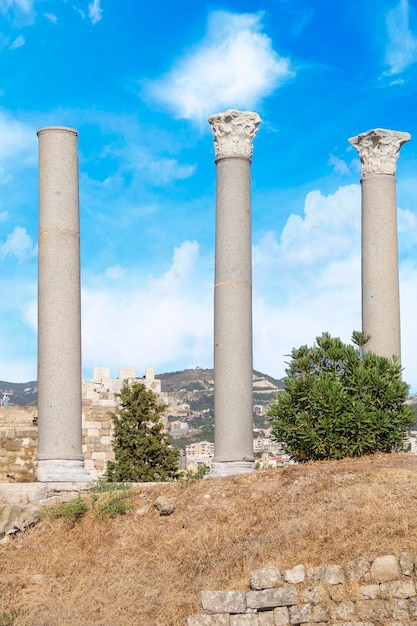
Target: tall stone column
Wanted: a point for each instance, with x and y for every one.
(60, 456)
(233, 369)
(379, 150)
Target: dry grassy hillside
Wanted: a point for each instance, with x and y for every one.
(144, 569)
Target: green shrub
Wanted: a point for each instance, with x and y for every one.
(338, 402)
(142, 449)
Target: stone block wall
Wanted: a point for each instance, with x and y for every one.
(97, 438)
(381, 592)
(19, 440)
(18, 443)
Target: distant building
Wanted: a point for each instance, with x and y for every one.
(102, 390)
(200, 453)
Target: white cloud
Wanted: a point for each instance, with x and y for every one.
(150, 320)
(115, 272)
(157, 169)
(18, 42)
(23, 5)
(95, 12)
(401, 48)
(235, 66)
(51, 17)
(16, 139)
(329, 229)
(161, 170)
(339, 166)
(18, 244)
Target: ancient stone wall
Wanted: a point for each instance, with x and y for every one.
(381, 592)
(18, 441)
(19, 438)
(97, 438)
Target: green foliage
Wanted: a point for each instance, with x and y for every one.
(143, 452)
(339, 402)
(113, 505)
(72, 511)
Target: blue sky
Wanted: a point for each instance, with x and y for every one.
(138, 81)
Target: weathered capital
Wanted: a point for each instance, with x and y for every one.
(379, 150)
(233, 133)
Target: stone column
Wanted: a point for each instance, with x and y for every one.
(60, 456)
(233, 369)
(378, 150)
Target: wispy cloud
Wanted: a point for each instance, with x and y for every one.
(17, 139)
(401, 47)
(339, 166)
(157, 168)
(51, 17)
(19, 245)
(235, 66)
(18, 42)
(115, 272)
(165, 170)
(95, 12)
(22, 5)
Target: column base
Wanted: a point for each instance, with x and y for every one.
(62, 471)
(231, 468)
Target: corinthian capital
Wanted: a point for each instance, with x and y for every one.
(379, 150)
(233, 133)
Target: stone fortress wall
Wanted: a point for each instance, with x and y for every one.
(378, 592)
(19, 431)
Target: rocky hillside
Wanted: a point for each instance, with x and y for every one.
(20, 393)
(190, 398)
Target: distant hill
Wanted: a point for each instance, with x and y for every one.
(184, 382)
(20, 393)
(190, 398)
(199, 378)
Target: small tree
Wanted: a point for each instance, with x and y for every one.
(339, 402)
(142, 450)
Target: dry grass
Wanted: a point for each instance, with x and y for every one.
(149, 570)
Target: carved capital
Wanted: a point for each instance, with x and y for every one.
(379, 150)
(233, 133)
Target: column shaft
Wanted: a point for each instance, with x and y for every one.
(380, 283)
(233, 403)
(60, 456)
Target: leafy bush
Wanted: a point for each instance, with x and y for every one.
(142, 450)
(338, 402)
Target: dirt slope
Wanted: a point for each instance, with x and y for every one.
(144, 569)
